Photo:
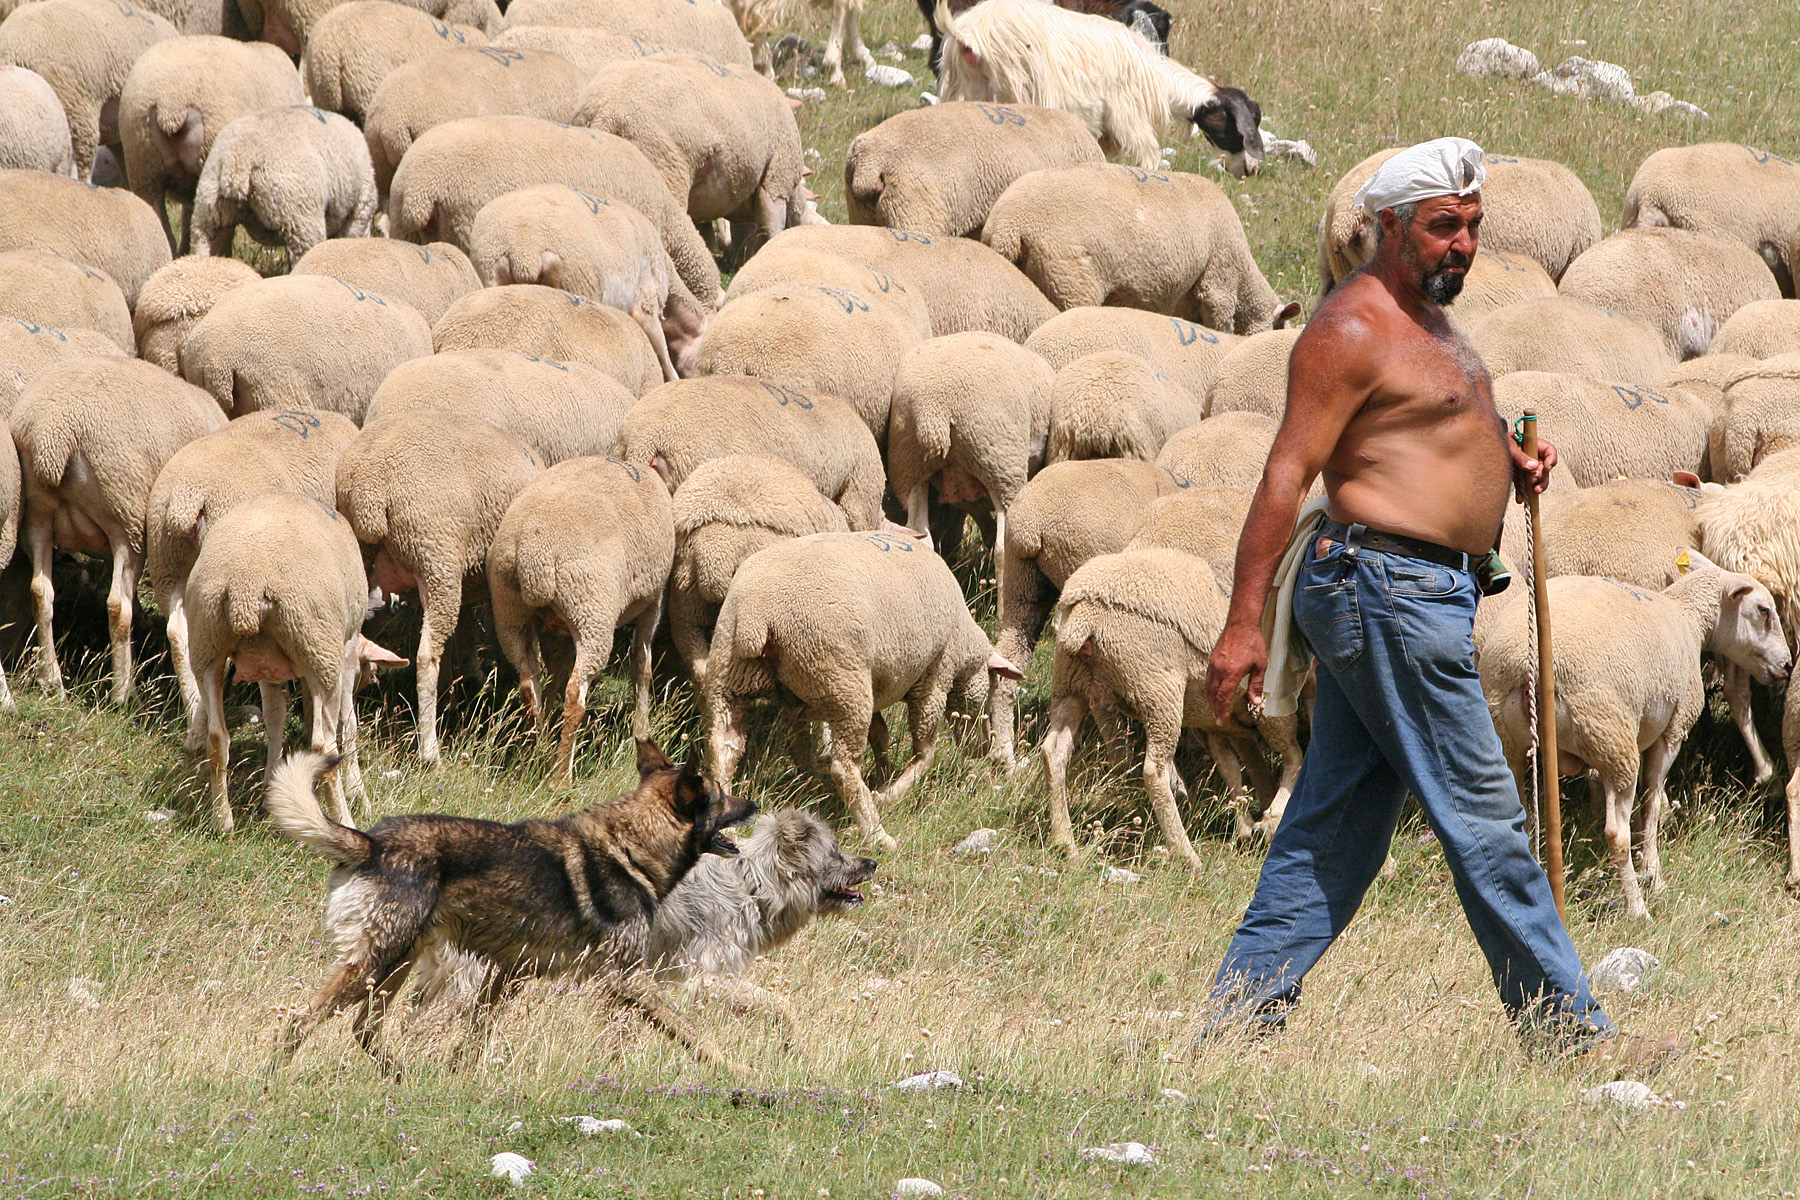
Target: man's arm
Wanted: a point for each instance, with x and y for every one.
(1330, 376)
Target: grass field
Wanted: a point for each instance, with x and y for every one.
(144, 961)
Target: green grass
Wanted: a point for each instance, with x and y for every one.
(1052, 991)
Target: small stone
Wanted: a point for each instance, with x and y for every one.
(929, 1081)
(1587, 78)
(160, 816)
(1119, 875)
(1171, 1098)
(891, 52)
(1623, 969)
(390, 774)
(1662, 102)
(1134, 1154)
(812, 95)
(1369, 1071)
(592, 1125)
(515, 1127)
(1628, 1094)
(812, 155)
(922, 43)
(1496, 58)
(927, 99)
(1282, 150)
(81, 991)
(882, 75)
(515, 1167)
(916, 1187)
(979, 842)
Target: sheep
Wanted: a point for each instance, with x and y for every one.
(426, 489)
(109, 229)
(1605, 430)
(1760, 329)
(1724, 190)
(44, 288)
(938, 170)
(173, 300)
(1761, 418)
(723, 137)
(1028, 52)
(589, 49)
(92, 434)
(759, 18)
(1252, 377)
(680, 425)
(1627, 529)
(584, 548)
(1684, 284)
(1496, 279)
(465, 81)
(27, 348)
(561, 410)
(34, 130)
(1189, 354)
(301, 341)
(846, 625)
(816, 339)
(295, 450)
(9, 537)
(84, 49)
(1150, 20)
(456, 167)
(789, 264)
(706, 29)
(1228, 449)
(290, 176)
(253, 609)
(1115, 405)
(1706, 378)
(965, 284)
(1628, 687)
(969, 424)
(289, 24)
(1134, 630)
(1184, 253)
(430, 278)
(725, 511)
(180, 94)
(552, 323)
(1203, 520)
(200, 16)
(1562, 333)
(355, 46)
(602, 249)
(1068, 513)
(1530, 206)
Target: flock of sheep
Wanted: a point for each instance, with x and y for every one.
(536, 381)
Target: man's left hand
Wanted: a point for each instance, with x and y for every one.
(1532, 473)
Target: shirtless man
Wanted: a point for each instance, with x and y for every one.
(1393, 406)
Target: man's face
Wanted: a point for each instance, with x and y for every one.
(1440, 243)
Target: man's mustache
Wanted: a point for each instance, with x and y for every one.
(1453, 258)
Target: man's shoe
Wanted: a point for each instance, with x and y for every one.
(1638, 1057)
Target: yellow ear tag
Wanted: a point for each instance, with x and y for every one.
(1683, 563)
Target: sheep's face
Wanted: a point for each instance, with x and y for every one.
(1749, 633)
(1232, 121)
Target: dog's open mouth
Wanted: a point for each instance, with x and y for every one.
(722, 845)
(843, 895)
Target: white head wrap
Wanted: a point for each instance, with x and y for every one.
(1449, 166)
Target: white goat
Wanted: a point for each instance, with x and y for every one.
(1030, 52)
(760, 18)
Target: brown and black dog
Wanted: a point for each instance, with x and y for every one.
(573, 896)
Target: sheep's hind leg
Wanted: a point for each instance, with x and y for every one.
(925, 716)
(274, 699)
(218, 744)
(1621, 790)
(1737, 696)
(442, 601)
(1066, 715)
(643, 630)
(120, 605)
(1160, 739)
(1657, 760)
(43, 596)
(575, 705)
(849, 722)
(184, 672)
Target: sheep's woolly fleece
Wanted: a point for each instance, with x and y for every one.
(1497, 58)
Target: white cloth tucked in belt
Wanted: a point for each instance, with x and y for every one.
(1289, 657)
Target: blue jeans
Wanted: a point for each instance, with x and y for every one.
(1399, 709)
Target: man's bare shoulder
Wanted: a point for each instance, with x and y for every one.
(1350, 332)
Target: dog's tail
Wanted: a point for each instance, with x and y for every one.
(295, 810)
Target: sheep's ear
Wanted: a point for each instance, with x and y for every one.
(1001, 667)
(1288, 312)
(1742, 590)
(650, 758)
(897, 530)
(379, 656)
(1686, 479)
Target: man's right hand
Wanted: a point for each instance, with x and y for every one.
(1241, 653)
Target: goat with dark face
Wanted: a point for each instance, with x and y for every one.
(1150, 20)
(1232, 121)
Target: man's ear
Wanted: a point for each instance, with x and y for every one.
(650, 758)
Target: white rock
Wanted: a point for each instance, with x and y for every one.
(1588, 78)
(891, 52)
(1172, 1098)
(927, 99)
(81, 991)
(390, 774)
(1133, 1153)
(813, 95)
(1369, 1071)
(160, 816)
(979, 842)
(916, 1187)
(1662, 102)
(1119, 875)
(515, 1167)
(1300, 152)
(922, 43)
(592, 1125)
(1623, 969)
(929, 1081)
(882, 75)
(1628, 1094)
(1496, 58)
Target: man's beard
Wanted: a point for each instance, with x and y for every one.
(1441, 284)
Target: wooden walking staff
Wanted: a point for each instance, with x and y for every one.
(1550, 782)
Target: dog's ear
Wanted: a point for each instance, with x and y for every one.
(692, 798)
(650, 758)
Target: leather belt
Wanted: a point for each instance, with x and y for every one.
(1394, 543)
